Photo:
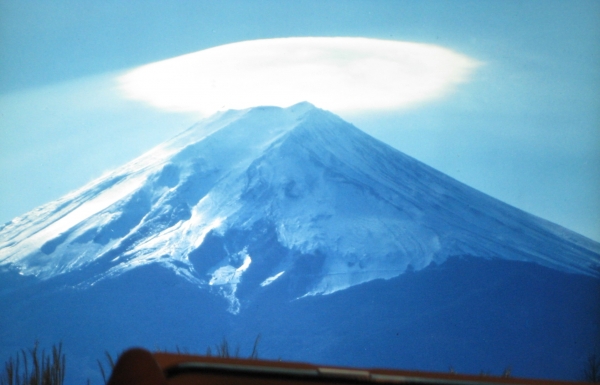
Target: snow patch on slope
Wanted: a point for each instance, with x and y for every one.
(272, 279)
(227, 278)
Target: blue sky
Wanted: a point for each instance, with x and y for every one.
(524, 129)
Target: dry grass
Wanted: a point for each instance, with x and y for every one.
(111, 365)
(591, 371)
(31, 368)
(223, 350)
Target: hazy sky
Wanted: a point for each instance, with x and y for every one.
(524, 128)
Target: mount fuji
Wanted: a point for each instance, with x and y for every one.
(294, 224)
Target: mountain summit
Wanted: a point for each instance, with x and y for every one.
(339, 207)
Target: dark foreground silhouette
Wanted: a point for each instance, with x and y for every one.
(139, 366)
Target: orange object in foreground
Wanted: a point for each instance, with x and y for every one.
(138, 366)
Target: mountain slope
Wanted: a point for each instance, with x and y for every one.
(341, 204)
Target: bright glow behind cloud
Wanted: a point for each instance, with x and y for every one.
(335, 73)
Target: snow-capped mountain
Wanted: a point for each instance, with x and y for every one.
(325, 189)
(295, 225)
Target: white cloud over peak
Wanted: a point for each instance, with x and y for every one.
(336, 73)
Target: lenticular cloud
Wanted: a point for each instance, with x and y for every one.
(336, 73)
